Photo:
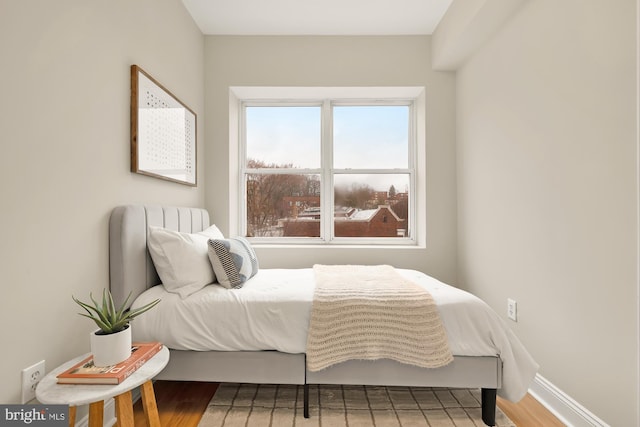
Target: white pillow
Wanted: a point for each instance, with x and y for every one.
(212, 232)
(181, 259)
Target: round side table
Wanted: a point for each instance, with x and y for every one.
(50, 392)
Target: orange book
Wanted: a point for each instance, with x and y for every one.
(84, 372)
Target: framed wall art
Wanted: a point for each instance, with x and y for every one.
(163, 132)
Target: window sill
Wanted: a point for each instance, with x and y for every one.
(327, 246)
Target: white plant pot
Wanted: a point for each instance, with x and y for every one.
(111, 349)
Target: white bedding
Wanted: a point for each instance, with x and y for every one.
(271, 312)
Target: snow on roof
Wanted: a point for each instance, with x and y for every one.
(364, 214)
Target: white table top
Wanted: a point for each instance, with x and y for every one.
(50, 392)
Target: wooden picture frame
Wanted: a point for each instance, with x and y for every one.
(163, 132)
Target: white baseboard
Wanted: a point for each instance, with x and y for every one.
(562, 405)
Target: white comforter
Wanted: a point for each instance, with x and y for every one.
(271, 312)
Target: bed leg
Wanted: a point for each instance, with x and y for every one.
(489, 406)
(306, 400)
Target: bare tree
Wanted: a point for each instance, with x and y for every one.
(266, 192)
(355, 196)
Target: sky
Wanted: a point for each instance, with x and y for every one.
(363, 137)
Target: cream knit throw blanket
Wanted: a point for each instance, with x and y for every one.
(372, 312)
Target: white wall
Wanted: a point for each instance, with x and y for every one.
(64, 164)
(338, 61)
(547, 192)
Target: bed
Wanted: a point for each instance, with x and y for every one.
(486, 354)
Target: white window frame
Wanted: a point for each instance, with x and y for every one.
(414, 97)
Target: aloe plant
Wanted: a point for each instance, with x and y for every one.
(110, 319)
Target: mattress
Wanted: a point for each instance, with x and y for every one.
(272, 310)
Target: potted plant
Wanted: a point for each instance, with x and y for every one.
(111, 343)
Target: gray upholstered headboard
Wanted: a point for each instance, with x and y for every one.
(130, 265)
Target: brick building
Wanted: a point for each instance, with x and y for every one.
(293, 206)
(379, 222)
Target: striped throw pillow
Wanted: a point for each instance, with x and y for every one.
(233, 260)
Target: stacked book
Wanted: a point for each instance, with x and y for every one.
(85, 372)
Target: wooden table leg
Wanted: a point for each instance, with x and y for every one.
(124, 409)
(72, 416)
(149, 404)
(96, 414)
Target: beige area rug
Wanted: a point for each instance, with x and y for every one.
(251, 405)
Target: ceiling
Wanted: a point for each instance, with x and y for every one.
(317, 17)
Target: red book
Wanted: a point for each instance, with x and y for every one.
(84, 372)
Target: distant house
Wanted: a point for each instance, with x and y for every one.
(295, 205)
(349, 222)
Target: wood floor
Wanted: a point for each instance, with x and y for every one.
(182, 403)
(529, 413)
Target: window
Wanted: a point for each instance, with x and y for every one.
(328, 170)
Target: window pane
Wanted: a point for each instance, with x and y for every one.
(283, 136)
(283, 205)
(371, 205)
(369, 137)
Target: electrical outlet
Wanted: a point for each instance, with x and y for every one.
(512, 309)
(31, 376)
